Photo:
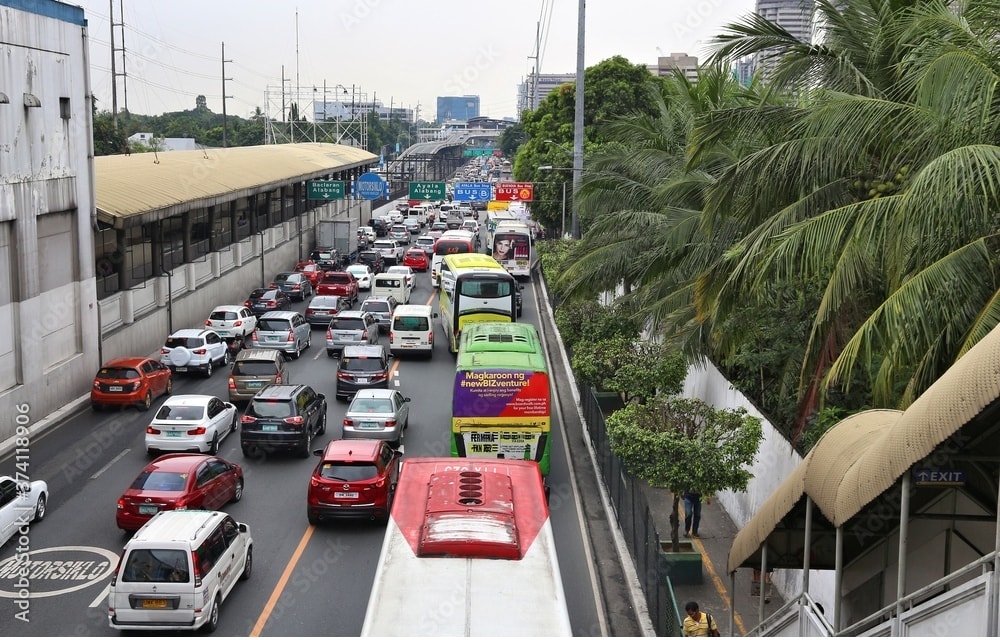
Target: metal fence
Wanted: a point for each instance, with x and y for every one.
(635, 521)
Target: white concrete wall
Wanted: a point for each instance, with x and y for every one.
(48, 315)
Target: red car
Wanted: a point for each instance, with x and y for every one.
(124, 382)
(354, 478)
(416, 259)
(310, 270)
(339, 283)
(179, 481)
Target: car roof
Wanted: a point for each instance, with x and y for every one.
(189, 333)
(317, 299)
(189, 400)
(228, 307)
(347, 450)
(374, 393)
(127, 361)
(278, 391)
(177, 461)
(356, 351)
(181, 526)
(282, 315)
(352, 313)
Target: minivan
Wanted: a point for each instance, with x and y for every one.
(391, 284)
(177, 570)
(255, 369)
(287, 331)
(412, 330)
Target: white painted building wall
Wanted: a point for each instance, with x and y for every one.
(48, 304)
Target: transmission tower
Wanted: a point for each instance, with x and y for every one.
(120, 25)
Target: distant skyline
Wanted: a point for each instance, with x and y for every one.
(399, 52)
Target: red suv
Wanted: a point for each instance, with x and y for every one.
(354, 478)
(339, 283)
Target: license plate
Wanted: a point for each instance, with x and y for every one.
(173, 434)
(362, 380)
(114, 388)
(181, 369)
(269, 427)
(148, 510)
(345, 494)
(154, 604)
(254, 385)
(272, 338)
(368, 425)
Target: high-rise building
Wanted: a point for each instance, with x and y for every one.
(665, 65)
(457, 108)
(530, 93)
(794, 16)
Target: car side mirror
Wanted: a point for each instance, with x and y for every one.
(406, 399)
(242, 527)
(321, 396)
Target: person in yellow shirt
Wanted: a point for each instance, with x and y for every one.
(698, 623)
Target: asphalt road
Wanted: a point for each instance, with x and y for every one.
(307, 580)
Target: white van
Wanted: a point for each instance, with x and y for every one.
(412, 330)
(177, 570)
(391, 284)
(419, 213)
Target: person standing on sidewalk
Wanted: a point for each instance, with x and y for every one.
(692, 513)
(698, 623)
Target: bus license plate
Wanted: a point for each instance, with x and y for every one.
(345, 494)
(154, 604)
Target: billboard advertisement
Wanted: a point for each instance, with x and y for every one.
(500, 393)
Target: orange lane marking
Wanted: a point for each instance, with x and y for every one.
(282, 583)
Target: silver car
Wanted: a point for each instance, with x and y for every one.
(322, 309)
(350, 328)
(377, 414)
(284, 330)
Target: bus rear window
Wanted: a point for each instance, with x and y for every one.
(451, 247)
(485, 288)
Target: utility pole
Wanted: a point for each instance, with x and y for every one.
(538, 47)
(578, 118)
(283, 81)
(114, 54)
(224, 96)
(298, 88)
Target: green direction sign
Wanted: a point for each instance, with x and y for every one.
(325, 189)
(427, 191)
(470, 153)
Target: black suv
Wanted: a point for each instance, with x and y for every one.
(373, 259)
(362, 367)
(283, 417)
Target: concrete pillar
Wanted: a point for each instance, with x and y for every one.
(128, 305)
(216, 264)
(187, 249)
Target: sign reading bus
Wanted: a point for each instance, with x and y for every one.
(501, 393)
(515, 191)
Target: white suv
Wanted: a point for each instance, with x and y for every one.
(194, 350)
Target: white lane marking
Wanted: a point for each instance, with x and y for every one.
(101, 597)
(108, 465)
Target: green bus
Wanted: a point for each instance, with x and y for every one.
(501, 404)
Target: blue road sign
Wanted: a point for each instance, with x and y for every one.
(477, 191)
(370, 186)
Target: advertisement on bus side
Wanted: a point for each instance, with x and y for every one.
(501, 393)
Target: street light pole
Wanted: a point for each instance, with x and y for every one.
(578, 118)
(562, 229)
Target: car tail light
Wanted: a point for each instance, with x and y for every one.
(208, 323)
(121, 504)
(390, 423)
(271, 303)
(343, 376)
(364, 334)
(181, 504)
(97, 385)
(329, 333)
(197, 569)
(199, 352)
(164, 350)
(238, 323)
(391, 336)
(291, 336)
(246, 303)
(277, 379)
(114, 576)
(253, 336)
(245, 419)
(153, 432)
(309, 311)
(232, 383)
(198, 431)
(272, 286)
(295, 420)
(380, 376)
(430, 337)
(348, 422)
(296, 287)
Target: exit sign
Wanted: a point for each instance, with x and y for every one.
(325, 189)
(470, 153)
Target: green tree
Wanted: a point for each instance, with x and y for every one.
(685, 445)
(636, 370)
(107, 139)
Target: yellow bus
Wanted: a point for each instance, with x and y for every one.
(474, 288)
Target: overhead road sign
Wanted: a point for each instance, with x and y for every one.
(325, 189)
(471, 153)
(473, 191)
(515, 191)
(370, 186)
(427, 191)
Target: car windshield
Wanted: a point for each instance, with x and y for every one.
(273, 324)
(361, 364)
(160, 481)
(180, 412)
(176, 341)
(348, 471)
(252, 368)
(271, 408)
(222, 315)
(118, 373)
(380, 305)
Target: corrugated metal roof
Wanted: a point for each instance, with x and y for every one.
(864, 455)
(143, 187)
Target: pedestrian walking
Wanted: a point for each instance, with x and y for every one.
(692, 513)
(699, 623)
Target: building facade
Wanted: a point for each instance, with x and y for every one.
(48, 305)
(457, 108)
(533, 90)
(794, 16)
(665, 65)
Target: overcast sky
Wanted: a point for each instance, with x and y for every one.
(405, 52)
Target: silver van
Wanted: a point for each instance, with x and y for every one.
(287, 331)
(177, 570)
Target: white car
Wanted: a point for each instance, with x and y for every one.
(194, 350)
(367, 232)
(192, 422)
(396, 216)
(363, 274)
(232, 321)
(391, 250)
(406, 271)
(20, 504)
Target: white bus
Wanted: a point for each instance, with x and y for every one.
(512, 241)
(468, 551)
(493, 218)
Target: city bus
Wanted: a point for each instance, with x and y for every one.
(474, 288)
(493, 218)
(501, 405)
(468, 551)
(512, 240)
(450, 243)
